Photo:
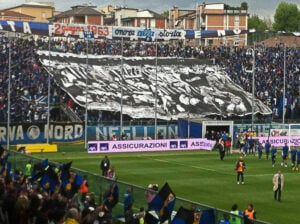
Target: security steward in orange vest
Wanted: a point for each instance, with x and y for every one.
(84, 188)
(249, 214)
(240, 167)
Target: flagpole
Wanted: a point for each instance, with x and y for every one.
(155, 106)
(9, 93)
(189, 118)
(49, 86)
(284, 77)
(86, 88)
(122, 74)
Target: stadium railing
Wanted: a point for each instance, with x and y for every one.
(99, 185)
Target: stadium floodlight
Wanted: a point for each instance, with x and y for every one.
(251, 52)
(9, 92)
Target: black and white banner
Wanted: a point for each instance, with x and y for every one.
(184, 86)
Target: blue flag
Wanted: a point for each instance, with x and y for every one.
(208, 216)
(183, 216)
(163, 203)
(150, 219)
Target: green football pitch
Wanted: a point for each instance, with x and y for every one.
(202, 177)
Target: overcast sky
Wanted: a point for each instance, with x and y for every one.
(263, 8)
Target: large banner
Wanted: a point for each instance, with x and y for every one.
(63, 29)
(37, 133)
(25, 27)
(102, 31)
(182, 87)
(150, 145)
(279, 141)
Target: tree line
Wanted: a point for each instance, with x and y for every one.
(286, 18)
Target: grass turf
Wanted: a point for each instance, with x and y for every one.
(200, 176)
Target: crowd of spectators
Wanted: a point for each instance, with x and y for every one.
(236, 61)
(29, 80)
(44, 193)
(269, 75)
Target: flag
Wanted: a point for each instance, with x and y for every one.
(208, 216)
(78, 179)
(75, 184)
(44, 162)
(65, 173)
(48, 183)
(150, 219)
(183, 216)
(1, 150)
(111, 196)
(46, 176)
(164, 202)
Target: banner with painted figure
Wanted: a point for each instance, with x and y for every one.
(38, 132)
(150, 145)
(185, 87)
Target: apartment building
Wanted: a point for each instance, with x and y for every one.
(213, 17)
(35, 11)
(81, 14)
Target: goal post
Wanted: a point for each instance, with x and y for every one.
(293, 134)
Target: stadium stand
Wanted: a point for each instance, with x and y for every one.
(29, 79)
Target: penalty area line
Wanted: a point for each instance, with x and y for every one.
(198, 167)
(161, 160)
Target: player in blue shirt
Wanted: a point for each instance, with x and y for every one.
(251, 145)
(298, 160)
(259, 149)
(273, 155)
(267, 148)
(285, 153)
(245, 148)
(293, 157)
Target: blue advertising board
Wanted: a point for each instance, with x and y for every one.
(38, 133)
(132, 132)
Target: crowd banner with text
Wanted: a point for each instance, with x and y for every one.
(102, 31)
(133, 132)
(150, 145)
(25, 27)
(28, 133)
(76, 30)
